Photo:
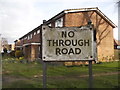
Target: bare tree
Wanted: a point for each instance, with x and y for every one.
(4, 43)
(101, 33)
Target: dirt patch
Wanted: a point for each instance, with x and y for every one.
(82, 76)
(102, 74)
(10, 79)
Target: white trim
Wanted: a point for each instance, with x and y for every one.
(19, 46)
(79, 10)
(82, 9)
(31, 44)
(106, 17)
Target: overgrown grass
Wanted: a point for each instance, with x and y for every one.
(29, 75)
(117, 54)
(109, 81)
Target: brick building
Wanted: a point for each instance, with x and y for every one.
(116, 44)
(31, 42)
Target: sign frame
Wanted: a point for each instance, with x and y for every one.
(89, 60)
(45, 27)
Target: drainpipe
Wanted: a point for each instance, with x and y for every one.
(0, 63)
(0, 44)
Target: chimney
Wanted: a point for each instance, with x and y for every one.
(44, 21)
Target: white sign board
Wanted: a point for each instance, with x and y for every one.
(67, 44)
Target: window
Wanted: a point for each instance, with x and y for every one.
(25, 38)
(39, 48)
(31, 36)
(34, 33)
(59, 22)
(28, 37)
(49, 25)
(38, 31)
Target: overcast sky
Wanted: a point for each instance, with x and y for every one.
(18, 17)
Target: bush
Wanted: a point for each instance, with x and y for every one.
(18, 53)
(12, 53)
(117, 54)
(5, 50)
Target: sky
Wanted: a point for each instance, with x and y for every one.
(18, 17)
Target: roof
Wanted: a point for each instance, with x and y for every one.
(81, 10)
(30, 32)
(74, 10)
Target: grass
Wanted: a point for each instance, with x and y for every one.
(117, 54)
(29, 75)
(109, 81)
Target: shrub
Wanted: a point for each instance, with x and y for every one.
(5, 50)
(18, 53)
(12, 53)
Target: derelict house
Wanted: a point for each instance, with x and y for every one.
(31, 42)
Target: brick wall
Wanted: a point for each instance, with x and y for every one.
(104, 31)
